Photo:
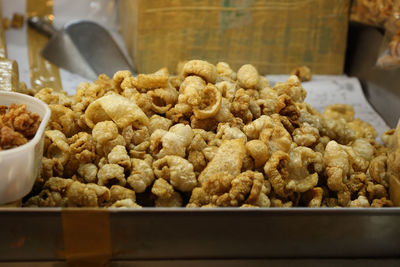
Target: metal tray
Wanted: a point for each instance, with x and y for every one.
(190, 234)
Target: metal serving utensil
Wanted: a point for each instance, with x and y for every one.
(82, 47)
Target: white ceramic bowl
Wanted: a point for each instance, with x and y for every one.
(20, 166)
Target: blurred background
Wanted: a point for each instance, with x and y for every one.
(356, 38)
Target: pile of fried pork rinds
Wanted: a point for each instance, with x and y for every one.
(17, 125)
(208, 137)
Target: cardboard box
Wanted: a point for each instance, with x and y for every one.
(276, 35)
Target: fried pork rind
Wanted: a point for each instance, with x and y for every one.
(17, 125)
(195, 149)
(141, 175)
(166, 196)
(118, 192)
(189, 97)
(172, 142)
(339, 111)
(88, 172)
(303, 73)
(59, 192)
(259, 151)
(309, 115)
(63, 119)
(119, 109)
(204, 100)
(247, 76)
(111, 174)
(158, 122)
(387, 137)
(221, 162)
(125, 203)
(313, 197)
(119, 78)
(56, 146)
(210, 137)
(363, 148)
(363, 129)
(254, 129)
(135, 136)
(189, 92)
(383, 202)
(337, 130)
(276, 172)
(277, 138)
(200, 68)
(303, 168)
(210, 103)
(224, 190)
(293, 172)
(178, 171)
(306, 135)
(86, 93)
(82, 147)
(225, 73)
(163, 99)
(49, 96)
(227, 88)
(104, 132)
(56, 155)
(378, 170)
(271, 131)
(119, 155)
(156, 80)
(106, 136)
(292, 87)
(338, 167)
(240, 106)
(10, 138)
(360, 202)
(226, 132)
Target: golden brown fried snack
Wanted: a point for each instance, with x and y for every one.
(178, 171)
(224, 190)
(17, 125)
(292, 87)
(248, 76)
(110, 174)
(200, 68)
(114, 107)
(59, 192)
(209, 137)
(166, 195)
(303, 73)
(152, 81)
(10, 138)
(235, 149)
(141, 175)
(120, 193)
(338, 111)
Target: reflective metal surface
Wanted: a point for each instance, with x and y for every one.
(188, 234)
(82, 47)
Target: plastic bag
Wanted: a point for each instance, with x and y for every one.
(372, 12)
(389, 54)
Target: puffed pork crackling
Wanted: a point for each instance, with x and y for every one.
(208, 137)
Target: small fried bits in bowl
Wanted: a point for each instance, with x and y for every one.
(22, 123)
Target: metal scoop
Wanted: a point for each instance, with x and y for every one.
(82, 47)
